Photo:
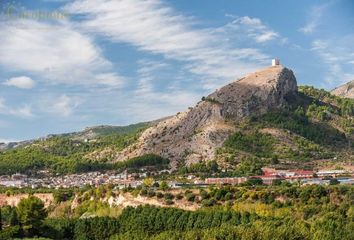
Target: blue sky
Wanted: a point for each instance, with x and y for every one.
(85, 63)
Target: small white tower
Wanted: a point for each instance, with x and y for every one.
(275, 62)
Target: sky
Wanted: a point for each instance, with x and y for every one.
(67, 65)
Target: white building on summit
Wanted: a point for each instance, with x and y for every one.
(275, 62)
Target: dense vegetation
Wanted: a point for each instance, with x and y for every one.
(314, 125)
(258, 143)
(63, 154)
(276, 212)
(146, 160)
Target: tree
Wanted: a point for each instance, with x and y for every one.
(0, 220)
(333, 181)
(148, 182)
(163, 186)
(13, 219)
(253, 182)
(31, 213)
(276, 182)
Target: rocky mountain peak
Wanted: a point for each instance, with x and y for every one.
(195, 134)
(255, 93)
(346, 90)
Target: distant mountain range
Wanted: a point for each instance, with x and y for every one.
(87, 133)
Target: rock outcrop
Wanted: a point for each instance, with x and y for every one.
(13, 200)
(195, 134)
(346, 90)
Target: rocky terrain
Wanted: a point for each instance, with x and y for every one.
(195, 134)
(346, 90)
(13, 200)
(11, 145)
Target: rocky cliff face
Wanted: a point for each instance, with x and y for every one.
(195, 134)
(346, 90)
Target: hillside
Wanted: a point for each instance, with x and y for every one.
(345, 91)
(87, 133)
(69, 153)
(195, 134)
(260, 120)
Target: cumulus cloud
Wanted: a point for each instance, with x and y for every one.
(20, 82)
(56, 53)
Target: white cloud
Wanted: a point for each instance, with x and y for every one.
(66, 53)
(266, 36)
(24, 111)
(147, 73)
(2, 103)
(62, 106)
(154, 27)
(315, 16)
(20, 82)
(56, 53)
(336, 54)
(254, 28)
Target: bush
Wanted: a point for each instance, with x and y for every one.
(151, 193)
(169, 196)
(190, 197)
(169, 201)
(143, 192)
(179, 196)
(159, 195)
(209, 202)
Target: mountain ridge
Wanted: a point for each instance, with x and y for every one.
(194, 135)
(346, 90)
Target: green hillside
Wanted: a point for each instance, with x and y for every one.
(315, 125)
(67, 153)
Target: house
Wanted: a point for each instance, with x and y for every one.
(222, 181)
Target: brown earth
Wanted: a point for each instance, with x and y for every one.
(13, 200)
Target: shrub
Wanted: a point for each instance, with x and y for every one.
(190, 197)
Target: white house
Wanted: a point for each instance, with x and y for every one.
(275, 62)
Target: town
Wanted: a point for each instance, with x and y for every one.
(125, 179)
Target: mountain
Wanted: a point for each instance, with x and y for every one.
(11, 145)
(103, 130)
(195, 134)
(86, 134)
(263, 119)
(346, 90)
